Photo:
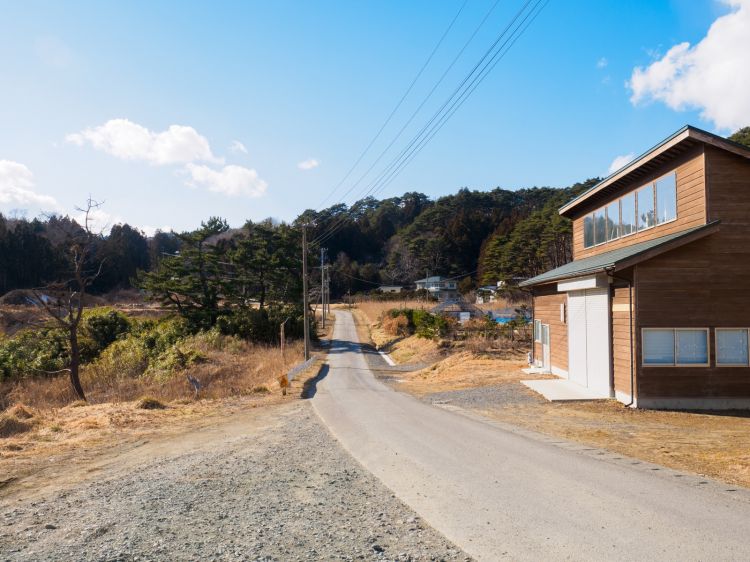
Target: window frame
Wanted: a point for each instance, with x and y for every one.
(656, 199)
(675, 363)
(537, 332)
(652, 186)
(716, 346)
(636, 226)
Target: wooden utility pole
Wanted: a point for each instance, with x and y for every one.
(305, 304)
(323, 285)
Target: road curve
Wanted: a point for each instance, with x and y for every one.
(501, 494)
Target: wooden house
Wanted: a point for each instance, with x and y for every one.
(654, 309)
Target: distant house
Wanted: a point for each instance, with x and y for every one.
(489, 293)
(654, 309)
(439, 288)
(391, 288)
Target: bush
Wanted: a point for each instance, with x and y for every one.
(103, 326)
(33, 352)
(263, 325)
(126, 358)
(396, 326)
(429, 325)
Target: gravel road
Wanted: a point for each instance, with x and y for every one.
(286, 491)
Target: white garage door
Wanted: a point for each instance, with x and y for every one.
(588, 339)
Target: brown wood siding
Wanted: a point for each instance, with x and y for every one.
(547, 303)
(621, 336)
(704, 285)
(691, 207)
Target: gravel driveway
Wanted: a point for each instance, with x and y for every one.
(290, 493)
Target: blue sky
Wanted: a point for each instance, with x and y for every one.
(256, 91)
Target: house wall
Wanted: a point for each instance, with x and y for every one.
(691, 206)
(701, 284)
(623, 327)
(547, 303)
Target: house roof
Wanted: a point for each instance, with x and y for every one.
(683, 140)
(429, 279)
(622, 257)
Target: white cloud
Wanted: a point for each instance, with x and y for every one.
(237, 147)
(620, 161)
(602, 63)
(124, 139)
(308, 164)
(99, 220)
(17, 187)
(230, 180)
(712, 76)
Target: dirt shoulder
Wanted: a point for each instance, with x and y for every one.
(268, 484)
(709, 444)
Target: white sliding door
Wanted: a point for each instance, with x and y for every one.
(589, 339)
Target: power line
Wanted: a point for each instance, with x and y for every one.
(454, 101)
(398, 105)
(422, 104)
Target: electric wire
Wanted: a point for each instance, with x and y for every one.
(454, 101)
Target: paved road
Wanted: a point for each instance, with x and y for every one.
(499, 493)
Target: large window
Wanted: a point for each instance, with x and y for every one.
(675, 347)
(538, 331)
(613, 220)
(646, 207)
(588, 231)
(732, 347)
(627, 207)
(600, 227)
(649, 206)
(666, 199)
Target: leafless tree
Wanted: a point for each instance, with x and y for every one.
(64, 300)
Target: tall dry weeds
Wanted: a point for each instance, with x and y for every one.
(229, 367)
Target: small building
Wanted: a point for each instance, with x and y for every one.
(458, 309)
(390, 288)
(654, 309)
(439, 288)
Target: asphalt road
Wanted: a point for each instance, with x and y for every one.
(500, 493)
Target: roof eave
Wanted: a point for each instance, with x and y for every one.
(688, 131)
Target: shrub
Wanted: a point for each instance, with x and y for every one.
(10, 426)
(395, 326)
(104, 326)
(429, 325)
(126, 358)
(33, 352)
(262, 325)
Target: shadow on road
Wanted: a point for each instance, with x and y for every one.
(311, 385)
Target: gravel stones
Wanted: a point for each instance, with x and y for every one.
(288, 494)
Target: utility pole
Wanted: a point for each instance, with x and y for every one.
(305, 304)
(323, 285)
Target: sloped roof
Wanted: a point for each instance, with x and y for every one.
(673, 146)
(622, 257)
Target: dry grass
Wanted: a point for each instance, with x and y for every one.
(712, 444)
(228, 368)
(374, 310)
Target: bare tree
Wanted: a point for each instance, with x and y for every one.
(64, 300)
